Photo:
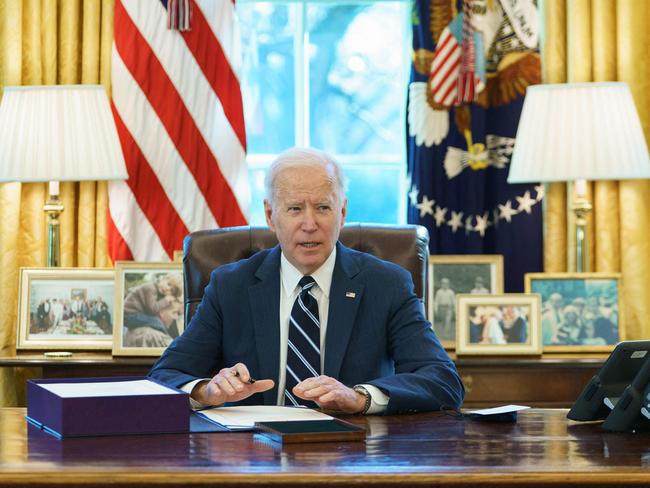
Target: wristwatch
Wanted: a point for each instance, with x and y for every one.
(365, 393)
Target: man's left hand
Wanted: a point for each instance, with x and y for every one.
(330, 394)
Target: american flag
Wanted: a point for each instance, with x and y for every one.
(445, 69)
(178, 110)
(453, 78)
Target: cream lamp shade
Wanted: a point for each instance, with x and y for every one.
(58, 133)
(579, 131)
(576, 132)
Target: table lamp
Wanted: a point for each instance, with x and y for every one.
(58, 133)
(574, 132)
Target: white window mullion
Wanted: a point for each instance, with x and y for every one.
(305, 102)
(301, 95)
(406, 22)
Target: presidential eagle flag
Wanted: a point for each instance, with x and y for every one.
(178, 110)
(472, 62)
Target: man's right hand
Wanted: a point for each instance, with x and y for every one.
(229, 385)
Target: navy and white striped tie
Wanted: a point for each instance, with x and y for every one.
(303, 350)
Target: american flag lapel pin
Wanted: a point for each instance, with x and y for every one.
(350, 294)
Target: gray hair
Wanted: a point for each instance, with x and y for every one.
(304, 157)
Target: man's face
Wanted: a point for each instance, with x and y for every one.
(306, 216)
(571, 317)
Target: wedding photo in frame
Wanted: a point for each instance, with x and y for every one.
(499, 324)
(581, 312)
(149, 304)
(65, 309)
(451, 275)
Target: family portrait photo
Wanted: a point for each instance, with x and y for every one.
(451, 275)
(70, 308)
(580, 311)
(503, 324)
(151, 307)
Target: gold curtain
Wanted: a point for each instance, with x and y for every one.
(46, 42)
(604, 40)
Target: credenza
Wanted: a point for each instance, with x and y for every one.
(549, 381)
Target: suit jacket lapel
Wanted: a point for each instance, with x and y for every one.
(345, 296)
(264, 300)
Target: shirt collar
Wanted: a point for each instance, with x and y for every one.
(322, 276)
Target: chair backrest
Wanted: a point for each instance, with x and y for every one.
(405, 245)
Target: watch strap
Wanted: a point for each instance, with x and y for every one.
(365, 393)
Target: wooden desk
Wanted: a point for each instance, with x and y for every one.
(540, 382)
(541, 449)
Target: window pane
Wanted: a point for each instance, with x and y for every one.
(267, 78)
(357, 77)
(374, 192)
(256, 174)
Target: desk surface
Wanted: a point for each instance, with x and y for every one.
(541, 449)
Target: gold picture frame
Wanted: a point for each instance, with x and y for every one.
(594, 299)
(504, 324)
(65, 309)
(149, 301)
(461, 271)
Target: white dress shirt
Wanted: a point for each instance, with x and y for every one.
(289, 290)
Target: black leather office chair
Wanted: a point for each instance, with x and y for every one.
(406, 245)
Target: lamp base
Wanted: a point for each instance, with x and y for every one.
(53, 208)
(581, 207)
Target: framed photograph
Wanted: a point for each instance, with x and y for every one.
(65, 308)
(450, 275)
(581, 312)
(149, 304)
(499, 324)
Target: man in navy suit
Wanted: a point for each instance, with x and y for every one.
(378, 353)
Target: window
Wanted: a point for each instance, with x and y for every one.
(329, 75)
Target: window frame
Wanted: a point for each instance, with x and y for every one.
(302, 128)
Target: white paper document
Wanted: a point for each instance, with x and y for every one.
(244, 417)
(498, 410)
(108, 389)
